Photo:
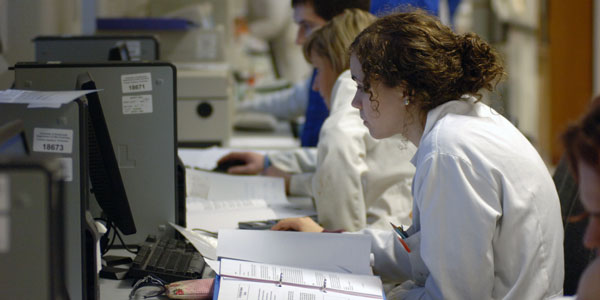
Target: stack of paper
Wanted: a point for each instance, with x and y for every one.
(219, 201)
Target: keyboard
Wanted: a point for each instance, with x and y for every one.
(167, 258)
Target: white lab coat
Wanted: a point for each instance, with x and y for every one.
(486, 215)
(287, 104)
(358, 181)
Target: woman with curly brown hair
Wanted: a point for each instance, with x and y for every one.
(486, 214)
(582, 145)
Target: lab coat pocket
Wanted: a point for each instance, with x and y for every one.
(418, 268)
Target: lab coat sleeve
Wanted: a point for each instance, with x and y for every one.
(337, 183)
(459, 210)
(301, 184)
(391, 261)
(301, 160)
(275, 19)
(288, 104)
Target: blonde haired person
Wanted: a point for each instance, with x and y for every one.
(357, 181)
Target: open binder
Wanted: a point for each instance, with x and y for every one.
(250, 280)
(258, 264)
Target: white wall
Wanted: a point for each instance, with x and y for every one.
(23, 20)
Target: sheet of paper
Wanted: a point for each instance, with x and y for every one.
(321, 251)
(215, 220)
(309, 280)
(234, 289)
(37, 99)
(214, 186)
(207, 246)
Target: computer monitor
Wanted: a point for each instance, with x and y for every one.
(96, 48)
(107, 185)
(12, 139)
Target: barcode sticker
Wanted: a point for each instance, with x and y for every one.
(135, 49)
(137, 104)
(4, 233)
(134, 83)
(4, 193)
(66, 164)
(52, 140)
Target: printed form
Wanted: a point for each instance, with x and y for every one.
(250, 280)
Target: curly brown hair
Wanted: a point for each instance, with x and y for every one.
(415, 51)
(582, 140)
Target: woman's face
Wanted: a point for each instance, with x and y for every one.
(589, 187)
(325, 78)
(386, 119)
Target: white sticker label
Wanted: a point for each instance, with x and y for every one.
(4, 193)
(52, 140)
(134, 48)
(137, 104)
(133, 83)
(66, 164)
(4, 233)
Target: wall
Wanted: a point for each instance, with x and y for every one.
(23, 20)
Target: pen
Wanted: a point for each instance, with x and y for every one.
(401, 236)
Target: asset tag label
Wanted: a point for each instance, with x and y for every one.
(134, 48)
(134, 83)
(52, 140)
(66, 164)
(137, 104)
(4, 233)
(4, 213)
(4, 193)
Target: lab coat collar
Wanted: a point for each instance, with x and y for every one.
(462, 106)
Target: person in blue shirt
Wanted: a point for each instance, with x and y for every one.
(385, 7)
(300, 99)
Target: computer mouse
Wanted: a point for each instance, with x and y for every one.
(224, 166)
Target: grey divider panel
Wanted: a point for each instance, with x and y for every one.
(32, 265)
(93, 48)
(144, 141)
(69, 117)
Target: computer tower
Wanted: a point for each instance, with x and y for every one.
(66, 125)
(31, 230)
(139, 104)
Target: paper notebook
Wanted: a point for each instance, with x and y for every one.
(251, 280)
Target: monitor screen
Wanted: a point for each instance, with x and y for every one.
(12, 139)
(107, 184)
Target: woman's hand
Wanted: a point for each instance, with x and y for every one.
(253, 162)
(304, 224)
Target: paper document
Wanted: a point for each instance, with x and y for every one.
(245, 191)
(323, 251)
(37, 99)
(219, 201)
(250, 280)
